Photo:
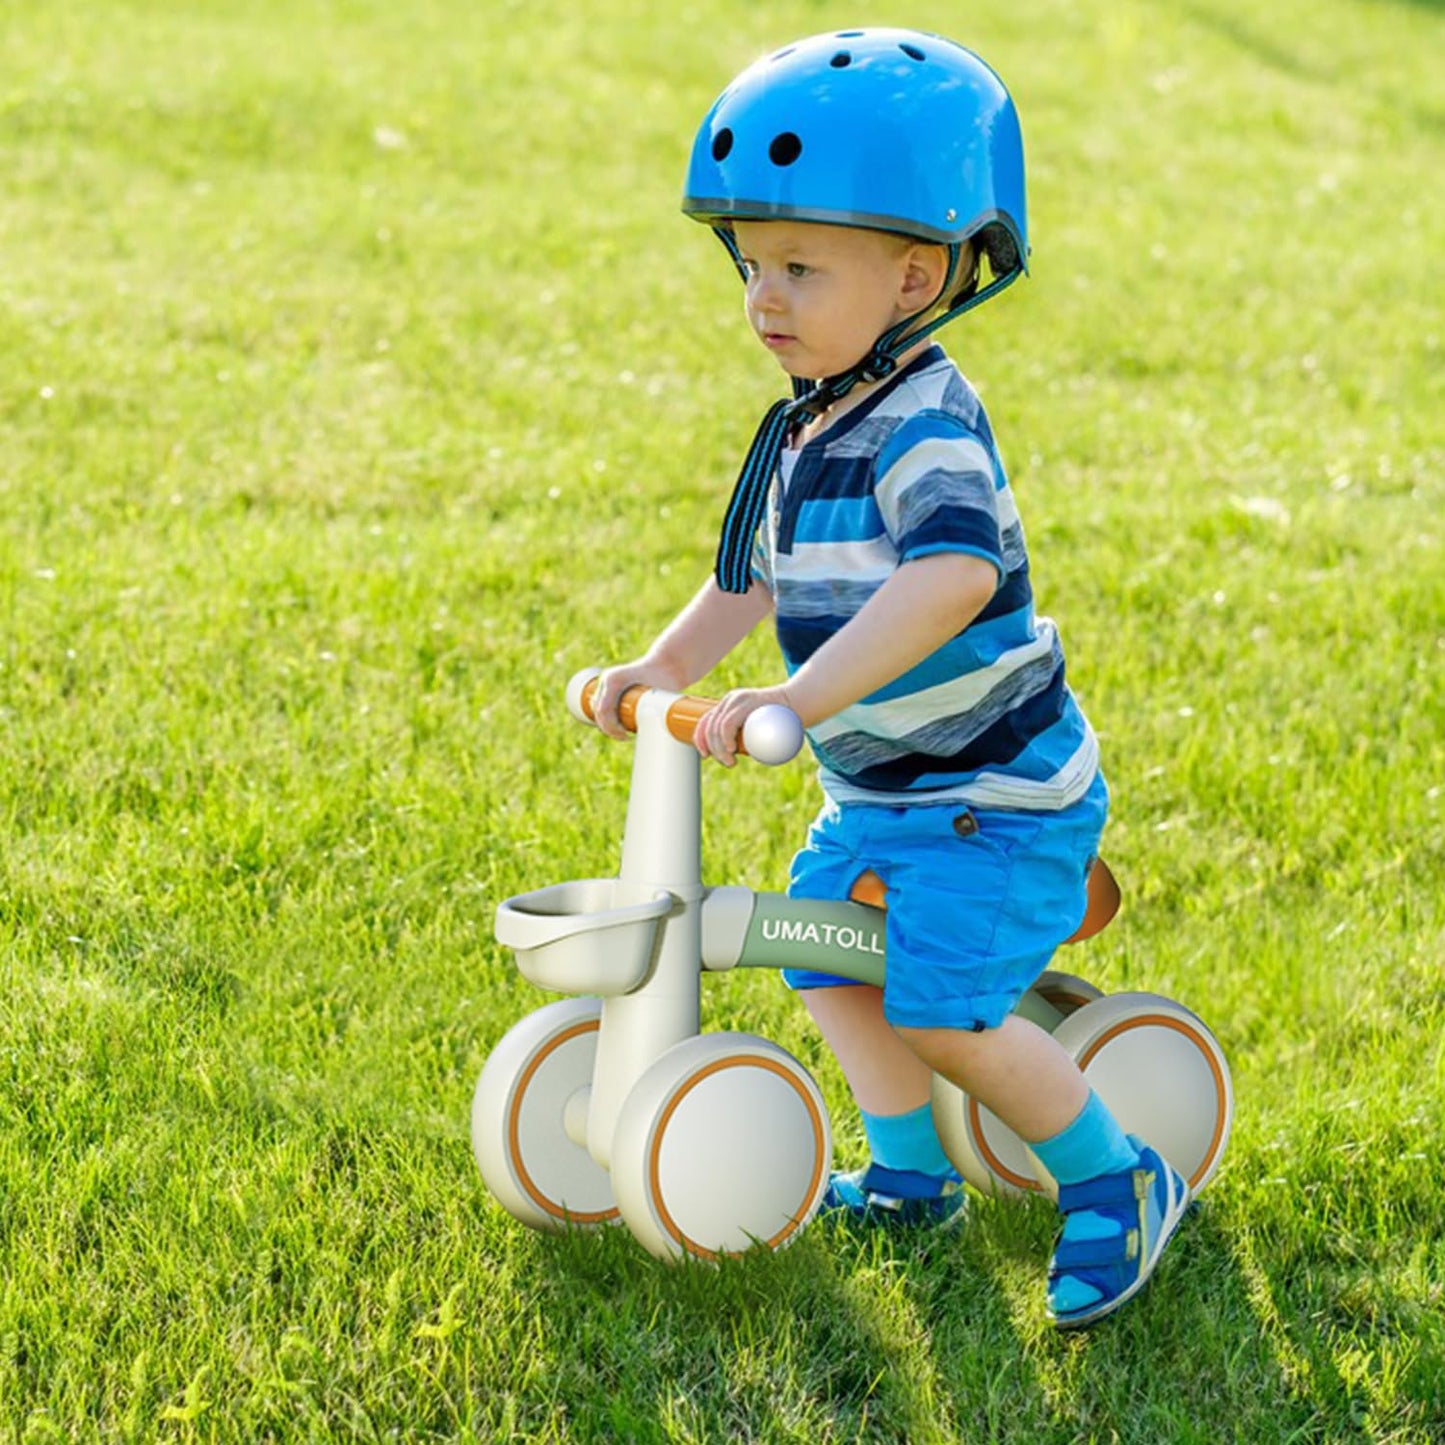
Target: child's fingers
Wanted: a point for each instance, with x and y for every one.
(702, 733)
(715, 737)
(727, 726)
(604, 707)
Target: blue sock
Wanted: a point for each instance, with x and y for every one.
(1093, 1144)
(906, 1141)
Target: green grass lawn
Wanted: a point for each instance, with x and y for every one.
(359, 381)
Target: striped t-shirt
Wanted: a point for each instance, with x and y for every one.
(987, 719)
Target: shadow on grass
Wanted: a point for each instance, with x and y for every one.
(646, 1351)
(879, 1337)
(1222, 1345)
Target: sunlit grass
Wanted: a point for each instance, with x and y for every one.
(359, 381)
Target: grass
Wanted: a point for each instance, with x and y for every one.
(359, 381)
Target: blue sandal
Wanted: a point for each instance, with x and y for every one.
(877, 1195)
(1115, 1229)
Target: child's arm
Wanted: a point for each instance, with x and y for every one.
(923, 604)
(691, 645)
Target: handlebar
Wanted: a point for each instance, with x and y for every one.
(772, 735)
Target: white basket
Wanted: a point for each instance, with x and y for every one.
(576, 938)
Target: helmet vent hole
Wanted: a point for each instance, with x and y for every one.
(785, 149)
(841, 60)
(722, 144)
(912, 52)
(778, 55)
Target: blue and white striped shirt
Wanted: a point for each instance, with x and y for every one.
(987, 719)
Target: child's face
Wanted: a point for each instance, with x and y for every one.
(818, 296)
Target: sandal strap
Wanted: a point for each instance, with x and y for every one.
(1070, 1256)
(881, 1181)
(1108, 1191)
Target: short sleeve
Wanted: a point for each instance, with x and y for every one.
(760, 563)
(937, 491)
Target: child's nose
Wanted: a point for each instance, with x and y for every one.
(764, 293)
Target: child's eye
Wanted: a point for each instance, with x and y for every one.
(750, 267)
(797, 269)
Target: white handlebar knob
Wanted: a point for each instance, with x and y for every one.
(576, 686)
(773, 734)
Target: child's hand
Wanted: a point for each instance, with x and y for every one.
(616, 680)
(718, 733)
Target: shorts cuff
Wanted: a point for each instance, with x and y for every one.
(800, 979)
(966, 1015)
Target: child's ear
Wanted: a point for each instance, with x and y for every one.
(925, 269)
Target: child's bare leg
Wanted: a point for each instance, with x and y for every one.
(884, 1074)
(909, 1178)
(1016, 1070)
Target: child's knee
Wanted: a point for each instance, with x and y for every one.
(946, 1051)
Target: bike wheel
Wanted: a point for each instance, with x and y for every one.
(536, 1082)
(1161, 1073)
(988, 1154)
(723, 1145)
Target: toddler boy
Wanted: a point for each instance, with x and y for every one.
(869, 187)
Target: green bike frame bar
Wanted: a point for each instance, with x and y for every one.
(746, 929)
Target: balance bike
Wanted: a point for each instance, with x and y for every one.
(611, 1105)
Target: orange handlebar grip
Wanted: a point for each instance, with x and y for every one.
(682, 717)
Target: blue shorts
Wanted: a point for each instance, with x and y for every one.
(978, 899)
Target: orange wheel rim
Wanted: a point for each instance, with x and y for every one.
(654, 1152)
(1221, 1089)
(991, 1161)
(514, 1134)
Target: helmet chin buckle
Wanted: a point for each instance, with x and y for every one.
(878, 366)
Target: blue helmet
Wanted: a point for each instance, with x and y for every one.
(893, 130)
(890, 129)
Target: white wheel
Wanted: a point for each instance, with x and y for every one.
(722, 1145)
(535, 1083)
(988, 1154)
(1161, 1073)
